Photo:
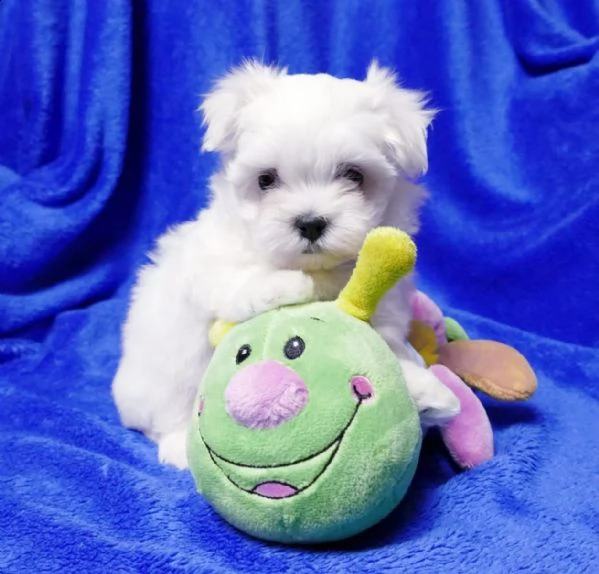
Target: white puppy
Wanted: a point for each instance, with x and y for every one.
(310, 164)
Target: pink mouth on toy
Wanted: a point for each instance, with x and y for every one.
(275, 490)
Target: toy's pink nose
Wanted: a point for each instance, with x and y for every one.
(265, 395)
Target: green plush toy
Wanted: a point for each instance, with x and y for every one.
(305, 431)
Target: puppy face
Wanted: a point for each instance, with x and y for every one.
(312, 163)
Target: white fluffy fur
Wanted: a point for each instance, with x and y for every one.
(242, 255)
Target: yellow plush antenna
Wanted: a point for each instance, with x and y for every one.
(386, 256)
(218, 330)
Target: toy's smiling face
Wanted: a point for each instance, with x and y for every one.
(304, 428)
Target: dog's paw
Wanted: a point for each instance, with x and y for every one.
(172, 449)
(268, 292)
(285, 288)
(436, 403)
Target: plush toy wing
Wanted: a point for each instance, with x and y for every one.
(423, 340)
(454, 331)
(491, 367)
(494, 368)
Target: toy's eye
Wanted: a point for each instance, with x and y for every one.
(244, 352)
(268, 179)
(294, 348)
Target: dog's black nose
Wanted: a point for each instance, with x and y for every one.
(310, 227)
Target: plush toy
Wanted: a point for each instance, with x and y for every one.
(305, 429)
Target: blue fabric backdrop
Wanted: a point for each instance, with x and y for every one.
(99, 154)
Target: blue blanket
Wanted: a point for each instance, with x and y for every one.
(99, 154)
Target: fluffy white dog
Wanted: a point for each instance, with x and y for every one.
(310, 164)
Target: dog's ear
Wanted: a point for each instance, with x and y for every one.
(230, 94)
(406, 119)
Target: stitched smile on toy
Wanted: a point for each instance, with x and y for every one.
(283, 481)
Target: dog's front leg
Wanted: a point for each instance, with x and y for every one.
(435, 402)
(238, 294)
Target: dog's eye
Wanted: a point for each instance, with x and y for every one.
(244, 352)
(268, 179)
(352, 174)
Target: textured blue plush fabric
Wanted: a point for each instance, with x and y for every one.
(99, 154)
